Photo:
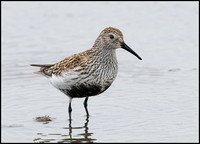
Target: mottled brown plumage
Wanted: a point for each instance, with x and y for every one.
(75, 60)
(88, 73)
(65, 65)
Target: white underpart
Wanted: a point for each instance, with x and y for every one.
(102, 73)
(72, 78)
(65, 80)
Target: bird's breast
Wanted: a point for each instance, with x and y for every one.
(90, 81)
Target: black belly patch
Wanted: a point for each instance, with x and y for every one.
(83, 91)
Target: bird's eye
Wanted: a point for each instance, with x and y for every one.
(111, 36)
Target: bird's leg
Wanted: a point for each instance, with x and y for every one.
(85, 105)
(70, 108)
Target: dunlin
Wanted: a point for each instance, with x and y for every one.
(88, 73)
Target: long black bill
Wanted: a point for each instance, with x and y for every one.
(124, 46)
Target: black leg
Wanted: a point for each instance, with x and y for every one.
(70, 109)
(85, 105)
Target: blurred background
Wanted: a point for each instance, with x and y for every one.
(153, 100)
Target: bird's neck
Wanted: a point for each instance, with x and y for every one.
(104, 61)
(105, 55)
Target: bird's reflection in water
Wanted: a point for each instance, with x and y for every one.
(85, 136)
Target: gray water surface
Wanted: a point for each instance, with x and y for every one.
(153, 100)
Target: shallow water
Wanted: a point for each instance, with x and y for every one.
(153, 100)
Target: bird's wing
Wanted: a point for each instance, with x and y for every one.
(75, 62)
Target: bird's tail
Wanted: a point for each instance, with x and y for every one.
(43, 67)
